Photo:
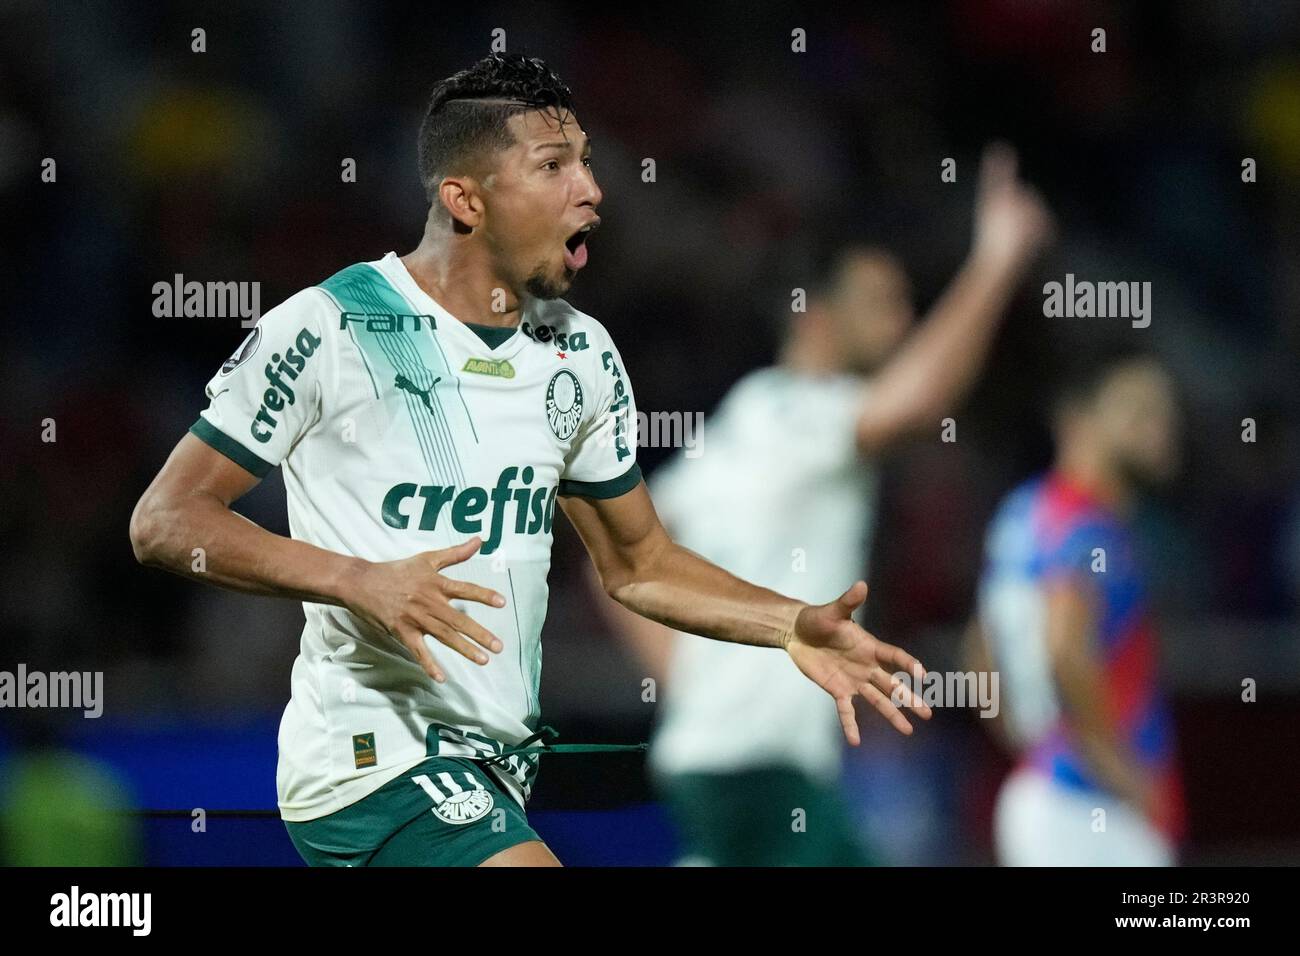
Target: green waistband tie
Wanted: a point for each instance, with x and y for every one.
(550, 733)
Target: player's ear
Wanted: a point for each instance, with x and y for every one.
(460, 196)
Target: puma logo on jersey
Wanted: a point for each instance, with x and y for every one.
(406, 385)
(363, 750)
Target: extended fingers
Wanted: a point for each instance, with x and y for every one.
(449, 635)
(414, 642)
(465, 591)
(900, 693)
(895, 659)
(852, 599)
(471, 628)
(848, 719)
(997, 167)
(881, 703)
(455, 555)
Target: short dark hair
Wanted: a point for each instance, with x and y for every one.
(465, 122)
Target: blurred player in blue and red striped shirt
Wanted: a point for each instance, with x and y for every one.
(1063, 617)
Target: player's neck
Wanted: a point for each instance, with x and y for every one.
(1082, 468)
(460, 279)
(807, 356)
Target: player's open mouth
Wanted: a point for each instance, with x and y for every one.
(575, 247)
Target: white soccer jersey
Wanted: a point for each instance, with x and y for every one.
(401, 430)
(780, 496)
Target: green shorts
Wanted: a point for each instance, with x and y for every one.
(446, 811)
(763, 816)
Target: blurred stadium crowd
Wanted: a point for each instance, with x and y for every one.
(225, 166)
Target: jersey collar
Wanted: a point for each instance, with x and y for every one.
(490, 339)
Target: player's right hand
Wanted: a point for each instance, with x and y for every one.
(410, 598)
(1012, 222)
(835, 653)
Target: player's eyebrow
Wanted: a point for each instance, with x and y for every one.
(563, 144)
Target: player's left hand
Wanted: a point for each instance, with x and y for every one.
(844, 660)
(1012, 222)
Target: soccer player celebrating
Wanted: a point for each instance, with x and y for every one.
(428, 411)
(1063, 617)
(798, 443)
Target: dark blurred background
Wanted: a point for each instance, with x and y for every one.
(225, 166)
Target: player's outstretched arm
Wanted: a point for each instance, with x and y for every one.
(648, 573)
(938, 364)
(187, 507)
